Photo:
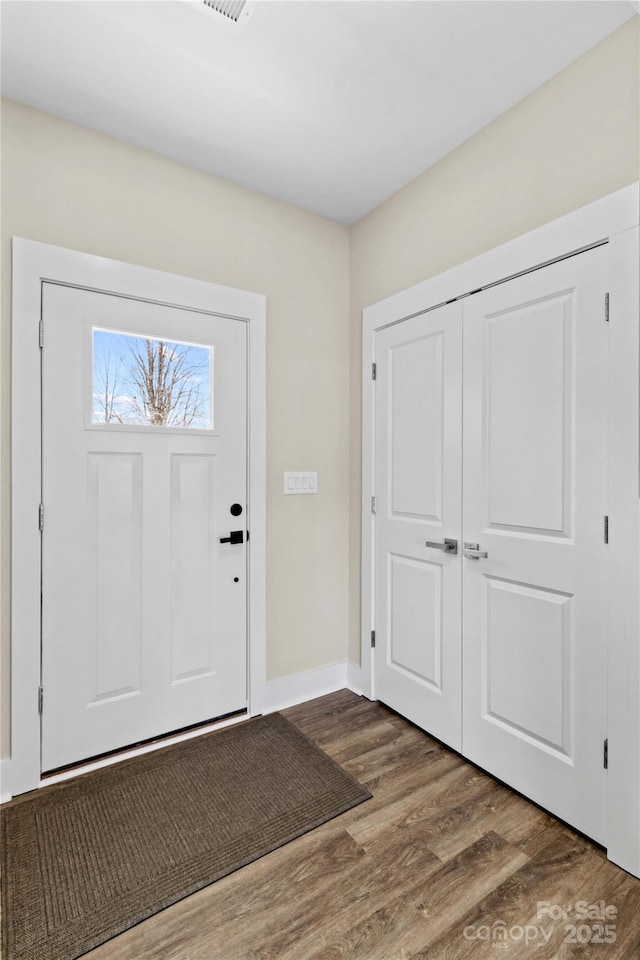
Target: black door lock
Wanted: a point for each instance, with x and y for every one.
(236, 536)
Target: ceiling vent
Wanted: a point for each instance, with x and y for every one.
(234, 13)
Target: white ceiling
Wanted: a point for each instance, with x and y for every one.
(331, 106)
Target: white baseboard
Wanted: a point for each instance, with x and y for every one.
(354, 677)
(289, 691)
(5, 792)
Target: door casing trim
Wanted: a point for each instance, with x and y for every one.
(33, 264)
(612, 220)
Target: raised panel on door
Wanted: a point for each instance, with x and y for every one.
(530, 411)
(144, 609)
(527, 643)
(414, 624)
(417, 486)
(415, 425)
(115, 553)
(193, 566)
(535, 496)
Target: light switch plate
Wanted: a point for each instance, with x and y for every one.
(297, 481)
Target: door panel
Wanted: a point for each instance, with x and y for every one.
(417, 483)
(415, 619)
(535, 495)
(193, 565)
(529, 358)
(536, 656)
(144, 610)
(114, 525)
(415, 411)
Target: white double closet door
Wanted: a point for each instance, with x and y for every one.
(490, 431)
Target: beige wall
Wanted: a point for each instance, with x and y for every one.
(66, 185)
(573, 140)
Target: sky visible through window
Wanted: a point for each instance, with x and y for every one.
(148, 381)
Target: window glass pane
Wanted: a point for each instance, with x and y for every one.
(151, 382)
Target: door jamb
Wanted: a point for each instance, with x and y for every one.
(33, 264)
(613, 220)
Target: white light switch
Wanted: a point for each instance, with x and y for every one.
(301, 482)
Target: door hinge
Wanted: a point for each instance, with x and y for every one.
(605, 754)
(606, 529)
(41, 517)
(373, 504)
(373, 371)
(41, 334)
(606, 307)
(373, 638)
(40, 700)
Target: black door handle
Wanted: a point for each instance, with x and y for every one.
(236, 536)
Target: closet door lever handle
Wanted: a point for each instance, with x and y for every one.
(472, 551)
(448, 546)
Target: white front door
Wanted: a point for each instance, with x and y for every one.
(418, 431)
(144, 474)
(535, 500)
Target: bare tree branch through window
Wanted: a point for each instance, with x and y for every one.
(147, 381)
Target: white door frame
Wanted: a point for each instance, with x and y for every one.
(33, 264)
(612, 220)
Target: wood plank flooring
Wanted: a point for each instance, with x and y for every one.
(444, 863)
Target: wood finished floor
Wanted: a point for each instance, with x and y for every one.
(441, 849)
